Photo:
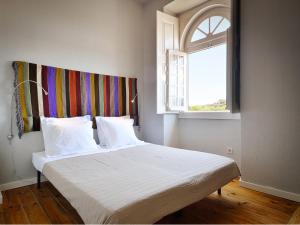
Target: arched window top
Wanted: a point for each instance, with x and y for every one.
(208, 30)
(210, 26)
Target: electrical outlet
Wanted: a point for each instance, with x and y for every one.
(229, 151)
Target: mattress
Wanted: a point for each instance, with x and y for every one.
(139, 184)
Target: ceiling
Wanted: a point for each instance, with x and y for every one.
(180, 6)
(177, 6)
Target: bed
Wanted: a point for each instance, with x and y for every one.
(136, 184)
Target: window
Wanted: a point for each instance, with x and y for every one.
(206, 45)
(207, 79)
(201, 73)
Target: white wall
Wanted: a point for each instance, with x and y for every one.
(212, 136)
(270, 78)
(102, 36)
(171, 130)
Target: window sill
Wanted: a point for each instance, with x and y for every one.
(168, 113)
(210, 115)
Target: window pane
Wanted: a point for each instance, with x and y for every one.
(214, 21)
(223, 26)
(197, 35)
(207, 79)
(204, 26)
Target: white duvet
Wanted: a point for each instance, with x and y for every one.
(139, 184)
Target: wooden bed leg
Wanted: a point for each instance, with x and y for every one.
(219, 191)
(38, 179)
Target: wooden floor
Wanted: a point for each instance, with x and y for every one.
(235, 205)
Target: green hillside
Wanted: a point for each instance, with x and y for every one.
(220, 105)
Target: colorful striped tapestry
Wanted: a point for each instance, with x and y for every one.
(70, 93)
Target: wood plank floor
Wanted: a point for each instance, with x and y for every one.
(236, 205)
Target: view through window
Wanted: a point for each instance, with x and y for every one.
(207, 79)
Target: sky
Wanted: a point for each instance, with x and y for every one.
(207, 76)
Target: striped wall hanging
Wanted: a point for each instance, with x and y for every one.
(70, 93)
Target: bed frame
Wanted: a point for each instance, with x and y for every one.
(39, 174)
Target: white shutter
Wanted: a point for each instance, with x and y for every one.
(167, 38)
(176, 80)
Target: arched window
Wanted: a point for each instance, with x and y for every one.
(206, 48)
(208, 30)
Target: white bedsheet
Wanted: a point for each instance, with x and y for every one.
(39, 159)
(138, 184)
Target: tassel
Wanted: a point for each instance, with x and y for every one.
(19, 119)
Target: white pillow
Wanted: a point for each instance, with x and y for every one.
(67, 120)
(116, 131)
(64, 136)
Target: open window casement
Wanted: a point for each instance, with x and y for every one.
(167, 38)
(176, 81)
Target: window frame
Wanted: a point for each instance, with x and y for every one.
(217, 39)
(169, 106)
(202, 44)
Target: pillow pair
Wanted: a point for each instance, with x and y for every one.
(64, 136)
(116, 131)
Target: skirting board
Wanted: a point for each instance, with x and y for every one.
(272, 191)
(20, 183)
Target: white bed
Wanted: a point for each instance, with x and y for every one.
(136, 184)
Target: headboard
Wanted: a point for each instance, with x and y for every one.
(70, 93)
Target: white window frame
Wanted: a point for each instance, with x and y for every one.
(217, 39)
(177, 107)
